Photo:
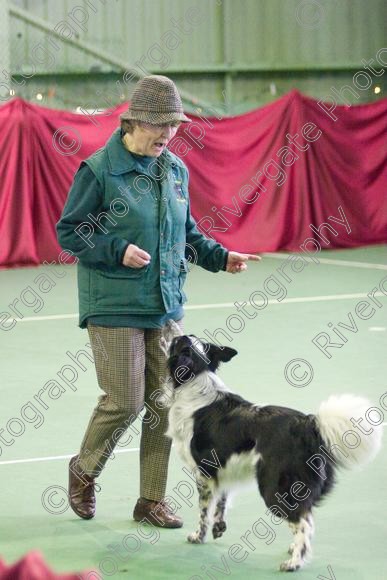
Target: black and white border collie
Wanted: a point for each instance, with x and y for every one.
(273, 445)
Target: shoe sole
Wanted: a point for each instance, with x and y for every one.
(157, 525)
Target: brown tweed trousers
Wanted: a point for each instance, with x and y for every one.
(131, 366)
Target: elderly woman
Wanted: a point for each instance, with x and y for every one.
(131, 273)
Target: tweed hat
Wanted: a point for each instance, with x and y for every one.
(155, 100)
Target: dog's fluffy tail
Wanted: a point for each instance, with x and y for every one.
(349, 444)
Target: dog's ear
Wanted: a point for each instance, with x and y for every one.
(226, 354)
(216, 354)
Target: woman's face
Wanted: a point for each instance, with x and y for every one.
(151, 140)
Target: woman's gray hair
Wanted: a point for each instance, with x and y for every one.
(127, 126)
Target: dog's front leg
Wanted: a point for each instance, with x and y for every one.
(205, 500)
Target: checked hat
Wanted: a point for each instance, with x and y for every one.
(155, 100)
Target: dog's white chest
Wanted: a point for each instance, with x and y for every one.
(180, 418)
(180, 430)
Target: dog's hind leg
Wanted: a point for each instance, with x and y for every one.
(301, 547)
(219, 526)
(205, 501)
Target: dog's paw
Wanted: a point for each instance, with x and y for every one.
(218, 529)
(195, 538)
(289, 566)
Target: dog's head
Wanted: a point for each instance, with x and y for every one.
(189, 356)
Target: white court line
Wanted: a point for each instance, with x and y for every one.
(58, 457)
(346, 263)
(223, 305)
(289, 300)
(50, 317)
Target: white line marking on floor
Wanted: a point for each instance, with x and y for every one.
(223, 305)
(377, 328)
(58, 457)
(49, 317)
(289, 300)
(346, 263)
(61, 457)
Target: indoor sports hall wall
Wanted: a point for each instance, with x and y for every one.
(72, 54)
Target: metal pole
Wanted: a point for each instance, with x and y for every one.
(227, 54)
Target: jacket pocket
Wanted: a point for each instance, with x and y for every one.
(122, 272)
(121, 288)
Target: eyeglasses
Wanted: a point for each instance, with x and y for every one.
(160, 127)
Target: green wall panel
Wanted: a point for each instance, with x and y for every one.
(255, 50)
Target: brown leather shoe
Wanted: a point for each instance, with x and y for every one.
(157, 513)
(81, 491)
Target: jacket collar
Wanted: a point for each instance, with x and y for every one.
(121, 161)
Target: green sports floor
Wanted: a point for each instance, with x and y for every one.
(351, 526)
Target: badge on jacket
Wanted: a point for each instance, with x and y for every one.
(179, 191)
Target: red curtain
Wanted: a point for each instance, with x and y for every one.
(33, 567)
(254, 185)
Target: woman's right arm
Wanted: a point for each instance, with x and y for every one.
(76, 230)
